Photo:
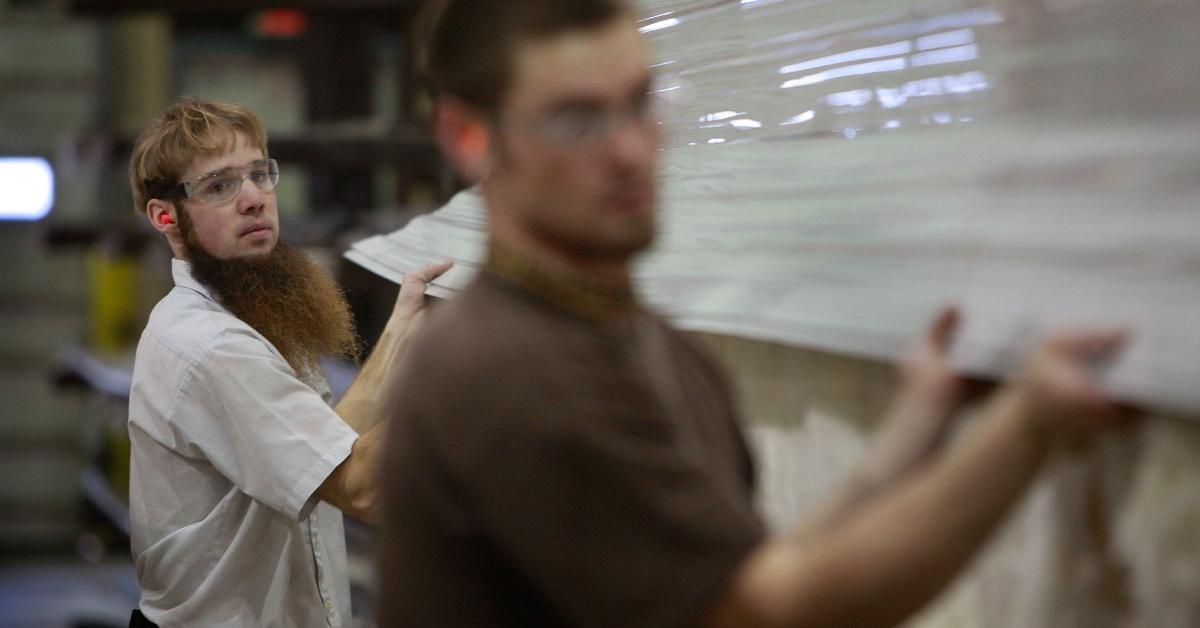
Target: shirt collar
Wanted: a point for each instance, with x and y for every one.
(560, 287)
(181, 272)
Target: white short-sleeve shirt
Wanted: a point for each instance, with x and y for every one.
(228, 447)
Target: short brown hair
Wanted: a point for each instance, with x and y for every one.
(190, 128)
(472, 43)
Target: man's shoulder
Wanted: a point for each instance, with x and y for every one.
(188, 324)
(498, 356)
(492, 326)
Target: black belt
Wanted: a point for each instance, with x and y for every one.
(138, 620)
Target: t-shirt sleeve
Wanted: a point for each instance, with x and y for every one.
(615, 523)
(270, 434)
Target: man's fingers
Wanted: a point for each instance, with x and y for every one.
(1091, 345)
(941, 332)
(412, 288)
(430, 272)
(413, 285)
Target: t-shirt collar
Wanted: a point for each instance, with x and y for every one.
(567, 290)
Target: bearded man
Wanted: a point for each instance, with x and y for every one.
(239, 465)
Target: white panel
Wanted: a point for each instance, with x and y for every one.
(835, 171)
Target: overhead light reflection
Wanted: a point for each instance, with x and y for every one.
(896, 97)
(852, 98)
(807, 116)
(957, 54)
(959, 37)
(873, 67)
(891, 98)
(659, 25)
(966, 82)
(874, 52)
(717, 116)
(970, 17)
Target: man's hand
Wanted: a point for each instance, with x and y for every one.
(410, 305)
(925, 372)
(1058, 391)
(918, 418)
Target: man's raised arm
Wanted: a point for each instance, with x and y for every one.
(889, 556)
(364, 404)
(352, 486)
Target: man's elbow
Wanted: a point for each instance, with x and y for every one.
(353, 490)
(764, 592)
(365, 506)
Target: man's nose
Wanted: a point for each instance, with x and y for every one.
(249, 198)
(634, 141)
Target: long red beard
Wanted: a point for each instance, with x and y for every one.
(284, 295)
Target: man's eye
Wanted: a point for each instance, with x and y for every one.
(217, 186)
(258, 176)
(576, 124)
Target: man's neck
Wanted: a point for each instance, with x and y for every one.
(552, 279)
(608, 273)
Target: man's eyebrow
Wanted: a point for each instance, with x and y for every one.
(220, 171)
(575, 103)
(591, 103)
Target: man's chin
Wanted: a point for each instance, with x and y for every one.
(244, 255)
(620, 247)
(261, 249)
(257, 255)
(264, 239)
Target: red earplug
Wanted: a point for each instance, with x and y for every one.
(473, 140)
(166, 219)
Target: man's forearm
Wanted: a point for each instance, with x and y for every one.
(365, 403)
(922, 533)
(895, 552)
(909, 436)
(352, 486)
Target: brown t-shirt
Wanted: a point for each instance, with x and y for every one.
(559, 461)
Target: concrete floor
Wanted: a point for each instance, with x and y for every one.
(67, 593)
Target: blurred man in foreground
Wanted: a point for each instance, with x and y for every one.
(568, 459)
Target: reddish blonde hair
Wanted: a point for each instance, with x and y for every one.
(188, 129)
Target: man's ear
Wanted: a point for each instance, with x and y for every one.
(463, 135)
(162, 216)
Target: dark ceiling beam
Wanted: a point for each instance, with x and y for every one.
(104, 7)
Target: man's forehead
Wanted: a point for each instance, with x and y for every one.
(609, 60)
(241, 154)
